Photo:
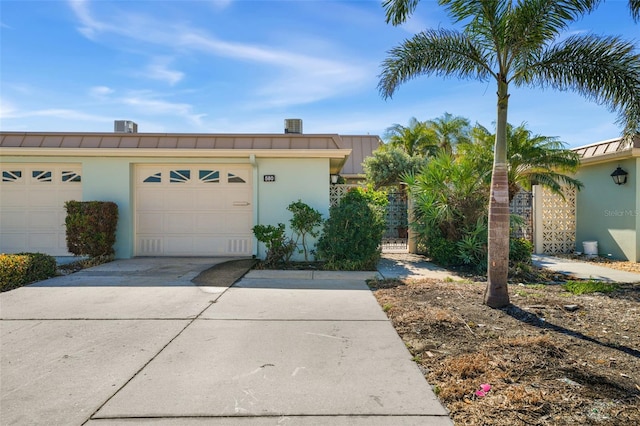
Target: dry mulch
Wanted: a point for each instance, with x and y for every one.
(546, 363)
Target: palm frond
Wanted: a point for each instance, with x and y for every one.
(634, 8)
(440, 52)
(397, 11)
(603, 69)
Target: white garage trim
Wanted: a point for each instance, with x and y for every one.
(193, 210)
(32, 212)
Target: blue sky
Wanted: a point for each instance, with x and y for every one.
(235, 66)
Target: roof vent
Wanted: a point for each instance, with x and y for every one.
(293, 125)
(125, 126)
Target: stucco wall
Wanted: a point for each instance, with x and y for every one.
(609, 213)
(304, 179)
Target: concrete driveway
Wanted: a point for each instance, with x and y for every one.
(135, 341)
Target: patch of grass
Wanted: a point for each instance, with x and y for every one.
(536, 286)
(591, 286)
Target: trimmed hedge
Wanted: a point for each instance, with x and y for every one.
(19, 269)
(91, 227)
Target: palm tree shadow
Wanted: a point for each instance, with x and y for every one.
(536, 321)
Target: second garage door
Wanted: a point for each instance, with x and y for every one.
(193, 210)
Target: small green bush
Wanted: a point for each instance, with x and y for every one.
(520, 250)
(304, 222)
(279, 247)
(352, 235)
(91, 227)
(19, 269)
(441, 251)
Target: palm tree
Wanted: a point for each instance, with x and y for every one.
(449, 131)
(414, 139)
(516, 42)
(532, 160)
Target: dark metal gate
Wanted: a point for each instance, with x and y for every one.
(396, 235)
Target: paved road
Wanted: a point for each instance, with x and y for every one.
(135, 342)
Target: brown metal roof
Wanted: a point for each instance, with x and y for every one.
(608, 148)
(362, 147)
(169, 141)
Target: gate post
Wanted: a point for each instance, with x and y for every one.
(412, 244)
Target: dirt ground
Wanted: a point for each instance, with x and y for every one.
(551, 358)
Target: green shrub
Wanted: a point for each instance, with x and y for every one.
(279, 247)
(23, 268)
(441, 250)
(352, 235)
(304, 222)
(91, 227)
(520, 250)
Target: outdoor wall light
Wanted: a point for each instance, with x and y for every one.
(619, 176)
(334, 179)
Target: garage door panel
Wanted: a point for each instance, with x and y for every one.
(43, 220)
(45, 197)
(199, 208)
(149, 222)
(179, 200)
(42, 240)
(13, 243)
(151, 199)
(32, 198)
(177, 246)
(12, 197)
(179, 223)
(241, 221)
(210, 202)
(13, 220)
(212, 223)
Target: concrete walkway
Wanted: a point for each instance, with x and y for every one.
(584, 270)
(135, 342)
(411, 266)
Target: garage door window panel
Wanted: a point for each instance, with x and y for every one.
(42, 176)
(209, 176)
(179, 176)
(71, 177)
(12, 176)
(154, 178)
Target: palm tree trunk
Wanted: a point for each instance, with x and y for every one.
(497, 293)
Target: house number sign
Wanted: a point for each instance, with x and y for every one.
(269, 178)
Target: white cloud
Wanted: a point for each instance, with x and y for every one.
(298, 78)
(220, 4)
(100, 91)
(159, 70)
(89, 26)
(62, 113)
(150, 106)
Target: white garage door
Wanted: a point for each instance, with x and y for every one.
(193, 210)
(32, 213)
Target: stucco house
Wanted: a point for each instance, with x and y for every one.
(178, 194)
(608, 212)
